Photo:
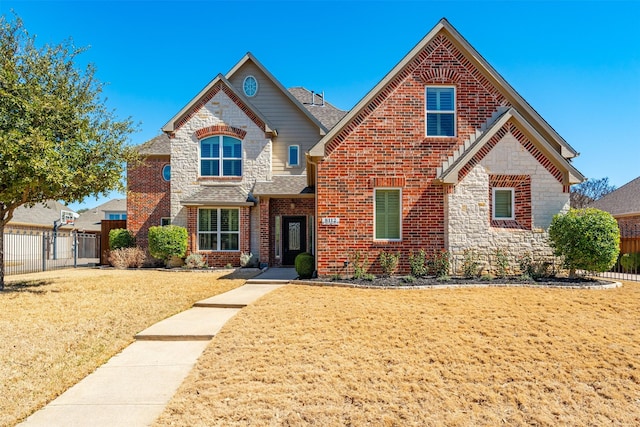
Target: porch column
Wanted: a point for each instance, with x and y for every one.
(264, 231)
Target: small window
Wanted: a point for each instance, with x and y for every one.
(503, 201)
(219, 229)
(117, 216)
(250, 86)
(166, 172)
(387, 211)
(294, 156)
(441, 111)
(165, 221)
(220, 156)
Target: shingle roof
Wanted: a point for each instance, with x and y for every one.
(623, 201)
(42, 214)
(326, 113)
(219, 195)
(283, 185)
(91, 219)
(158, 146)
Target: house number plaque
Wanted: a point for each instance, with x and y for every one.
(330, 221)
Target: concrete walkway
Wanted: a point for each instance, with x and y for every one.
(133, 388)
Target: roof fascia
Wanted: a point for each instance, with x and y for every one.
(250, 57)
(170, 126)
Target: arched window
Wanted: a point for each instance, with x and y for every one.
(221, 155)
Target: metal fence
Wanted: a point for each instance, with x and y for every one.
(30, 251)
(628, 265)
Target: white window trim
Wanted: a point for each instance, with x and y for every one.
(221, 158)
(289, 164)
(165, 218)
(218, 232)
(455, 111)
(374, 214)
(245, 81)
(493, 203)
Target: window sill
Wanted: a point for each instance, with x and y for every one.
(215, 179)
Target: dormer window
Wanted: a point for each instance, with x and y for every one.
(441, 111)
(220, 155)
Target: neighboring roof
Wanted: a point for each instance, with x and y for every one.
(219, 195)
(448, 173)
(621, 202)
(283, 185)
(444, 26)
(325, 112)
(41, 214)
(91, 219)
(158, 146)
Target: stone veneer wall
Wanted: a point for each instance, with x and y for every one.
(469, 210)
(185, 180)
(148, 197)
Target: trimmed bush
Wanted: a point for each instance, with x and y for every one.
(630, 262)
(167, 241)
(121, 238)
(587, 239)
(305, 265)
(127, 258)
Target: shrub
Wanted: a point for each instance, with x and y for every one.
(440, 264)
(127, 258)
(502, 262)
(587, 239)
(167, 241)
(121, 238)
(470, 263)
(195, 261)
(418, 263)
(630, 262)
(389, 262)
(360, 264)
(248, 260)
(305, 265)
(534, 269)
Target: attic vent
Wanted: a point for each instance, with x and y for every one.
(313, 98)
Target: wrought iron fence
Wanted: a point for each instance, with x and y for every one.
(628, 265)
(30, 250)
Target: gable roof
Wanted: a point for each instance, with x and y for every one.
(157, 146)
(328, 114)
(91, 219)
(204, 96)
(485, 68)
(41, 214)
(621, 202)
(448, 172)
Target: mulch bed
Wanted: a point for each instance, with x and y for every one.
(426, 282)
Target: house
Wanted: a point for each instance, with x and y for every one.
(91, 219)
(230, 167)
(39, 217)
(442, 154)
(623, 204)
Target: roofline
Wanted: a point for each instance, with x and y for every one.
(566, 150)
(215, 204)
(169, 127)
(286, 195)
(450, 175)
(249, 56)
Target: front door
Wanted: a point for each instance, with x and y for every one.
(294, 238)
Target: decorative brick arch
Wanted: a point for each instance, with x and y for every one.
(220, 130)
(444, 75)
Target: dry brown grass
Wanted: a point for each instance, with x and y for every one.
(458, 357)
(57, 327)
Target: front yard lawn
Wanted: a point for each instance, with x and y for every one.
(57, 327)
(327, 356)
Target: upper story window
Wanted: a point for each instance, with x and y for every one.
(220, 156)
(250, 86)
(503, 202)
(293, 159)
(441, 111)
(166, 172)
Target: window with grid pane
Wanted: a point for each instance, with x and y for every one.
(441, 111)
(503, 199)
(220, 156)
(218, 229)
(387, 214)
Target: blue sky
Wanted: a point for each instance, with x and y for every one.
(576, 62)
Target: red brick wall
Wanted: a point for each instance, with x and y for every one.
(219, 258)
(148, 198)
(521, 185)
(386, 140)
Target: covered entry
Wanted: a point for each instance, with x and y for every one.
(294, 238)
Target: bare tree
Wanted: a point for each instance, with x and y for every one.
(593, 189)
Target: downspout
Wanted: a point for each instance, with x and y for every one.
(315, 214)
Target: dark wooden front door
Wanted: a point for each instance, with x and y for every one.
(294, 238)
